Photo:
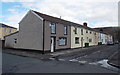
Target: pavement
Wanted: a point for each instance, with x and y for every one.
(39, 55)
(114, 60)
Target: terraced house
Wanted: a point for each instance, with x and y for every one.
(46, 33)
(6, 30)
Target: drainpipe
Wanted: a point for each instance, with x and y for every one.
(43, 34)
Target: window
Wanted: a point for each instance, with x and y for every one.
(90, 40)
(15, 40)
(62, 41)
(76, 40)
(53, 28)
(65, 30)
(95, 33)
(102, 40)
(10, 31)
(75, 30)
(81, 38)
(81, 31)
(90, 32)
(5, 30)
(86, 31)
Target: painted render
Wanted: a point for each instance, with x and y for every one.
(73, 35)
(34, 34)
(30, 32)
(6, 30)
(59, 33)
(93, 35)
(11, 39)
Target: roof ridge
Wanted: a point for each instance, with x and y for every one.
(4, 25)
(59, 20)
(54, 17)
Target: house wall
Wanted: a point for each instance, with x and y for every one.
(99, 37)
(10, 41)
(86, 37)
(109, 38)
(73, 35)
(30, 32)
(96, 38)
(59, 33)
(6, 31)
(102, 38)
(90, 36)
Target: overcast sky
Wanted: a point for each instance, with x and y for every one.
(97, 14)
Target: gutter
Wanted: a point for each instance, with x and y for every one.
(43, 35)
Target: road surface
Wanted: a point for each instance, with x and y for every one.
(90, 62)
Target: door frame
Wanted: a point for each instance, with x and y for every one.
(81, 41)
(54, 44)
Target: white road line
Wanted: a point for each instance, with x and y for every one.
(74, 60)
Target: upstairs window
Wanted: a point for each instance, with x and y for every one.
(81, 31)
(90, 32)
(53, 28)
(10, 31)
(65, 30)
(86, 31)
(76, 40)
(75, 30)
(5, 30)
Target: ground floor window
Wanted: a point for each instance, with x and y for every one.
(76, 40)
(62, 41)
(90, 40)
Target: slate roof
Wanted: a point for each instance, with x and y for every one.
(59, 20)
(11, 34)
(4, 25)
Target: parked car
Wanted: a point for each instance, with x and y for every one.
(116, 42)
(110, 43)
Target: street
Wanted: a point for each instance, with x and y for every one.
(92, 61)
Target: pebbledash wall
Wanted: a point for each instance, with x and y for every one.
(35, 34)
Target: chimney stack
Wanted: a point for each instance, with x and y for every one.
(85, 24)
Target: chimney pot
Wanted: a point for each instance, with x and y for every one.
(85, 24)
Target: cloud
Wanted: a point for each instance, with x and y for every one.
(73, 1)
(104, 13)
(97, 14)
(14, 16)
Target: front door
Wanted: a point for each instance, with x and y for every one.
(81, 41)
(52, 44)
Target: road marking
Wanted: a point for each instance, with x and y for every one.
(93, 63)
(74, 60)
(82, 62)
(61, 59)
(52, 58)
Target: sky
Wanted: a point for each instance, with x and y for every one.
(103, 13)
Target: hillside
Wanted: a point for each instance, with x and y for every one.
(114, 31)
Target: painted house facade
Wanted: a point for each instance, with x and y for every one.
(6, 30)
(81, 35)
(42, 32)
